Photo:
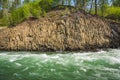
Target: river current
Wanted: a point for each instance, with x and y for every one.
(101, 65)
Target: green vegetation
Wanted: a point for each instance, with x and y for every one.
(30, 9)
(113, 13)
(24, 12)
(13, 12)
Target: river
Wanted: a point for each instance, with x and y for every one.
(101, 65)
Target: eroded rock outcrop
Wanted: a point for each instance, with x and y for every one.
(61, 30)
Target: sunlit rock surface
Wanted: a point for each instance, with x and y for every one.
(62, 30)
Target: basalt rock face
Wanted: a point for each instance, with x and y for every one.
(61, 31)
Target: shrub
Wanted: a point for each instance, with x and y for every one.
(17, 16)
(113, 13)
(46, 4)
(5, 20)
(31, 9)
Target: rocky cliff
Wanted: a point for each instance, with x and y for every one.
(62, 30)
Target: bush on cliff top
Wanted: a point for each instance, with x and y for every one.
(113, 13)
(32, 9)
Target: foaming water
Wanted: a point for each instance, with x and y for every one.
(100, 65)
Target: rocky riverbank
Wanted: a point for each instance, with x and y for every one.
(62, 30)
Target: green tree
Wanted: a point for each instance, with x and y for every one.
(91, 6)
(96, 7)
(15, 4)
(26, 1)
(103, 6)
(116, 3)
